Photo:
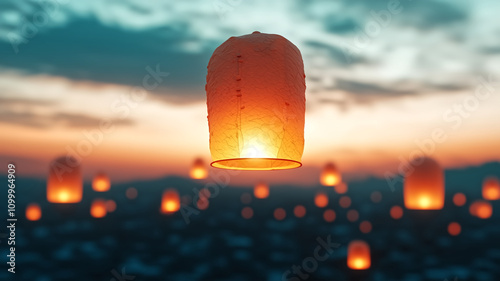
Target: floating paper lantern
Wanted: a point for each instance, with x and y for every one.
(98, 208)
(481, 209)
(170, 201)
(299, 211)
(329, 215)
(202, 203)
(321, 200)
(454, 229)
(352, 215)
(365, 227)
(247, 213)
(279, 214)
(345, 202)
(491, 189)
(396, 212)
(131, 193)
(101, 183)
(261, 190)
(110, 206)
(341, 188)
(424, 186)
(459, 199)
(376, 196)
(358, 255)
(198, 170)
(256, 103)
(33, 212)
(64, 184)
(330, 175)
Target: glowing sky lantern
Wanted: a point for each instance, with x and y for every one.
(279, 214)
(101, 183)
(321, 200)
(396, 212)
(424, 185)
(329, 215)
(341, 188)
(481, 209)
(33, 212)
(365, 227)
(170, 201)
(491, 189)
(345, 201)
(459, 199)
(247, 213)
(198, 170)
(110, 206)
(64, 184)
(131, 193)
(330, 175)
(261, 190)
(256, 103)
(98, 208)
(454, 229)
(358, 255)
(299, 211)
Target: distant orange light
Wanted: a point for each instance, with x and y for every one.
(365, 227)
(98, 208)
(101, 183)
(170, 202)
(261, 190)
(396, 212)
(198, 170)
(202, 203)
(247, 213)
(131, 193)
(321, 200)
(424, 185)
(491, 189)
(64, 184)
(376, 196)
(454, 229)
(110, 206)
(481, 209)
(352, 215)
(341, 188)
(279, 214)
(329, 215)
(299, 211)
(33, 212)
(345, 202)
(330, 175)
(358, 255)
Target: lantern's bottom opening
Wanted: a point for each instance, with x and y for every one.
(262, 164)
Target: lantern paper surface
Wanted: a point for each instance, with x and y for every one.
(101, 183)
(198, 170)
(491, 189)
(424, 186)
(330, 175)
(170, 202)
(256, 103)
(358, 255)
(64, 184)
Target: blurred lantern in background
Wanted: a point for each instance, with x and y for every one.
(459, 199)
(396, 212)
(246, 198)
(358, 255)
(454, 229)
(491, 189)
(365, 227)
(170, 201)
(481, 209)
(131, 193)
(64, 184)
(261, 190)
(198, 170)
(256, 103)
(98, 208)
(202, 203)
(33, 212)
(101, 182)
(299, 211)
(279, 214)
(352, 215)
(424, 185)
(329, 215)
(110, 206)
(330, 175)
(341, 188)
(247, 213)
(321, 200)
(376, 196)
(345, 202)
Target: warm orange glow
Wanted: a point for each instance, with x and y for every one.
(424, 185)
(256, 103)
(279, 214)
(131, 193)
(204, 192)
(365, 227)
(491, 189)
(198, 170)
(376, 196)
(110, 206)
(396, 212)
(358, 255)
(202, 203)
(261, 190)
(321, 200)
(341, 188)
(329, 215)
(247, 213)
(101, 183)
(299, 211)
(64, 184)
(352, 215)
(170, 201)
(98, 208)
(454, 229)
(33, 212)
(345, 201)
(481, 209)
(459, 199)
(330, 175)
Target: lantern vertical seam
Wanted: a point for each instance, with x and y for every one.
(238, 95)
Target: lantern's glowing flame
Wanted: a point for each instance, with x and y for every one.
(481, 209)
(261, 190)
(171, 202)
(198, 170)
(491, 189)
(358, 255)
(321, 200)
(424, 185)
(101, 183)
(33, 212)
(98, 208)
(64, 184)
(330, 175)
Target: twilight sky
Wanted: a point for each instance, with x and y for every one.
(127, 77)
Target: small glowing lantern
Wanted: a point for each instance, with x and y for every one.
(358, 255)
(491, 189)
(321, 200)
(110, 206)
(101, 183)
(279, 214)
(454, 229)
(198, 170)
(261, 190)
(345, 202)
(424, 186)
(396, 212)
(64, 184)
(330, 175)
(131, 193)
(247, 213)
(365, 227)
(256, 103)
(481, 209)
(170, 201)
(459, 199)
(299, 211)
(98, 208)
(352, 215)
(33, 212)
(329, 215)
(341, 188)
